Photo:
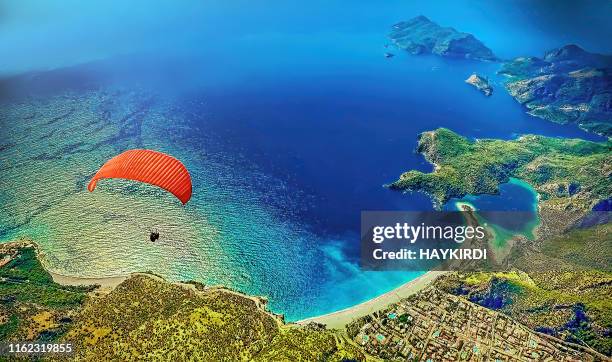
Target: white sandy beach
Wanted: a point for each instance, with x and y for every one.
(343, 317)
(106, 283)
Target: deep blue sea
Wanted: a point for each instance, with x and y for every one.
(298, 100)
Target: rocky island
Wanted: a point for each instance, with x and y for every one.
(568, 85)
(422, 36)
(480, 83)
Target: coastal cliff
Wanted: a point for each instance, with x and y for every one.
(568, 85)
(422, 36)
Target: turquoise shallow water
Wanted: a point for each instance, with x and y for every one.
(289, 123)
(512, 212)
(225, 235)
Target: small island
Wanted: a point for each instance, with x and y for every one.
(480, 83)
(422, 36)
(568, 85)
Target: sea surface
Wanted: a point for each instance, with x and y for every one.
(288, 116)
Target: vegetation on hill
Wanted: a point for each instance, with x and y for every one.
(32, 306)
(310, 344)
(570, 175)
(146, 317)
(567, 85)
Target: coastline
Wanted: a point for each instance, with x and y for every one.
(334, 320)
(339, 319)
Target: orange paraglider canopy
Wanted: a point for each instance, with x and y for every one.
(148, 166)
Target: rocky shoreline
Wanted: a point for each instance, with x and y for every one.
(567, 85)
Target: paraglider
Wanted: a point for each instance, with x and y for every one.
(154, 236)
(150, 167)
